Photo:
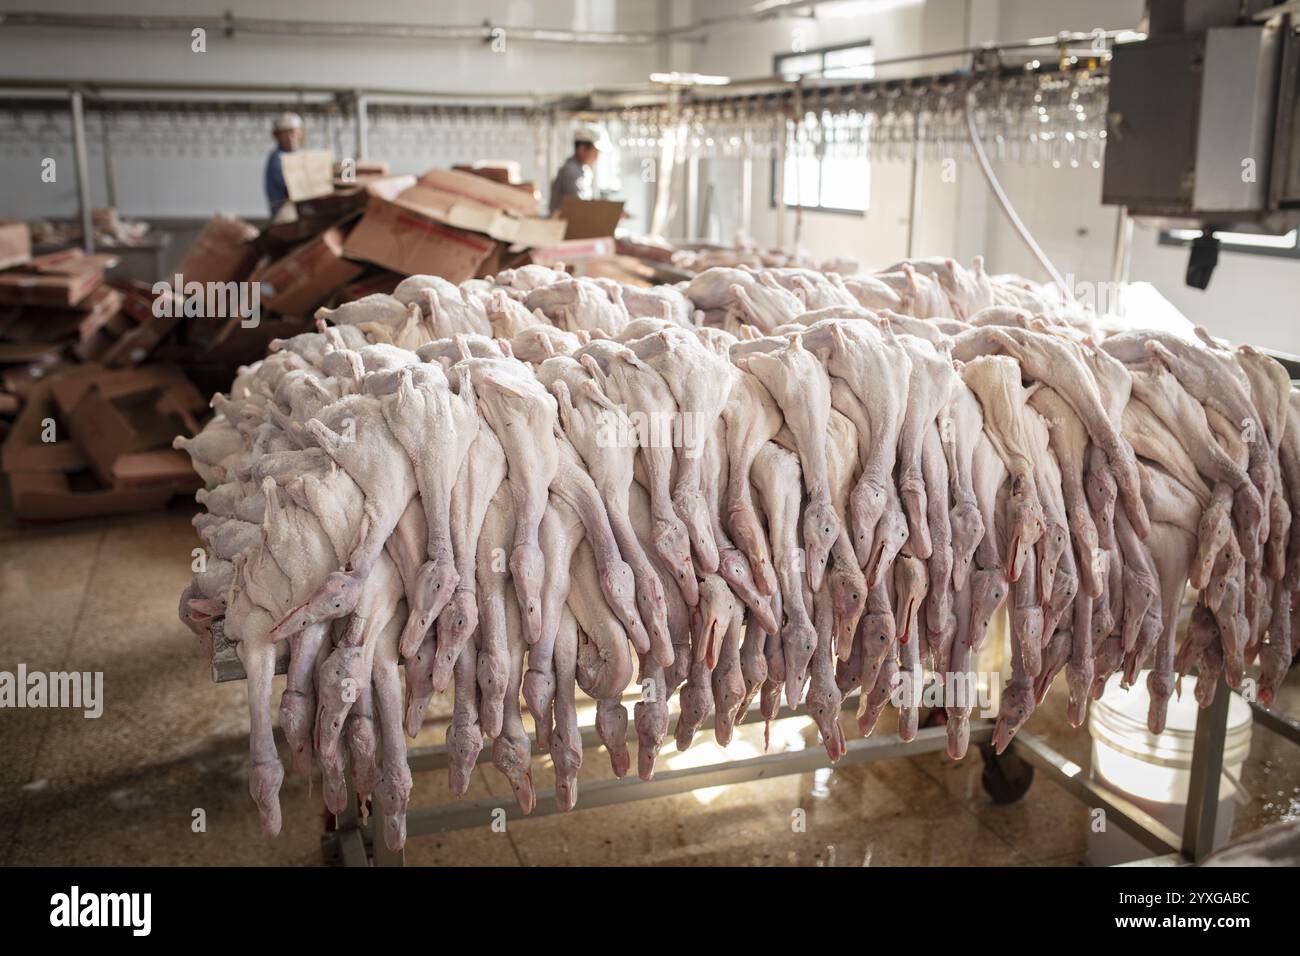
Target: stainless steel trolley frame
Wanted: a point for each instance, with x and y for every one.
(358, 842)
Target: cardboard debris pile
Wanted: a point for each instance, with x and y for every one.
(109, 228)
(348, 230)
(93, 441)
(86, 427)
(50, 303)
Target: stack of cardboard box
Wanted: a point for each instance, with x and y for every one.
(94, 441)
(95, 438)
(89, 439)
(452, 223)
(349, 232)
(302, 263)
(46, 303)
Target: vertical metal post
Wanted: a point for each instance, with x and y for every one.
(1207, 770)
(110, 177)
(914, 199)
(664, 179)
(693, 197)
(83, 169)
(363, 126)
(379, 851)
(551, 164)
(779, 188)
(746, 196)
(706, 214)
(1123, 253)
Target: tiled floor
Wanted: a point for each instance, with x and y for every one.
(126, 788)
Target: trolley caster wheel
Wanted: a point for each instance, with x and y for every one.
(933, 717)
(1005, 778)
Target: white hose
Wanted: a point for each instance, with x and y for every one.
(983, 160)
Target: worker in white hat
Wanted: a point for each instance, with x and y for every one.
(287, 131)
(576, 177)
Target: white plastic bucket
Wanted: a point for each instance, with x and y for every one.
(1153, 771)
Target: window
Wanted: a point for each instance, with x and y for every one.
(851, 61)
(827, 182)
(1285, 245)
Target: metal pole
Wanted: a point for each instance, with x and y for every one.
(603, 793)
(1202, 812)
(746, 223)
(693, 198)
(83, 170)
(348, 836)
(374, 830)
(110, 178)
(1125, 814)
(706, 214)
(363, 127)
(914, 199)
(436, 757)
(659, 224)
(1119, 267)
(1278, 723)
(1123, 234)
(779, 188)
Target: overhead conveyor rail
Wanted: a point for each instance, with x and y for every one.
(988, 67)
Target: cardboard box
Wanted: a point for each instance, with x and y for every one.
(21, 380)
(477, 189)
(70, 262)
(101, 306)
(13, 353)
(54, 496)
(233, 345)
(222, 253)
(651, 250)
(298, 222)
(33, 324)
(412, 242)
(60, 291)
(24, 450)
(464, 213)
(179, 392)
(590, 218)
(136, 345)
(308, 173)
(390, 187)
(307, 276)
(574, 250)
(503, 174)
(15, 243)
(382, 282)
(138, 301)
(99, 343)
(126, 437)
(334, 206)
(132, 341)
(94, 347)
(362, 172)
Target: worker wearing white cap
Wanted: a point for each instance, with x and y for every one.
(287, 131)
(576, 177)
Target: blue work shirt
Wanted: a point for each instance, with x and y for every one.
(573, 179)
(277, 193)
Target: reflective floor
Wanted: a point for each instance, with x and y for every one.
(125, 788)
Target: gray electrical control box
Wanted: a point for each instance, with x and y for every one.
(1191, 126)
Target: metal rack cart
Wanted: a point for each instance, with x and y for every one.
(1007, 777)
